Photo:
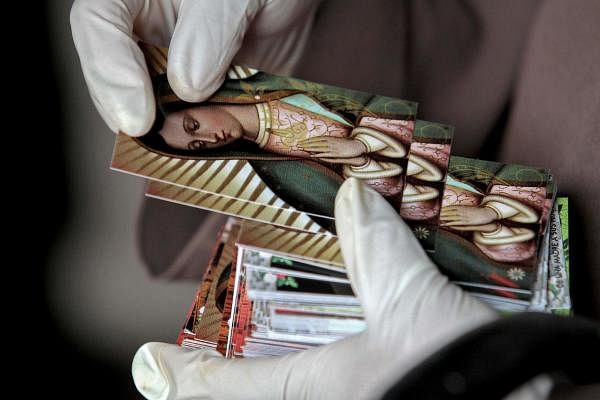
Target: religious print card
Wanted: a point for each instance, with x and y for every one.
(427, 167)
(493, 219)
(279, 213)
(203, 322)
(274, 141)
(551, 289)
(320, 249)
(559, 299)
(421, 198)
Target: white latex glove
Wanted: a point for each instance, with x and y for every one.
(204, 38)
(411, 311)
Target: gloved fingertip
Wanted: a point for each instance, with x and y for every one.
(357, 200)
(134, 124)
(148, 374)
(351, 188)
(363, 216)
(348, 186)
(186, 89)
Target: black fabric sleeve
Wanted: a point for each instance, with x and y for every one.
(490, 362)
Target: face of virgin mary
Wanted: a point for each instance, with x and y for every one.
(200, 127)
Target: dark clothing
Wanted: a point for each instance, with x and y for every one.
(489, 362)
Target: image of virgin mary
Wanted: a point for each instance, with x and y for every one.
(303, 139)
(491, 222)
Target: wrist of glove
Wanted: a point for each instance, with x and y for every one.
(411, 311)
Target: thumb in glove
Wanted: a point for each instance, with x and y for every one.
(410, 308)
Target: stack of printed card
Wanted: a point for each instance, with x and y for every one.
(274, 150)
(270, 291)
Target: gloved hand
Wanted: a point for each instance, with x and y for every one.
(411, 311)
(204, 38)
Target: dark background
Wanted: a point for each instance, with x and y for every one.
(85, 301)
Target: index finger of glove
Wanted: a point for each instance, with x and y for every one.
(382, 256)
(113, 65)
(392, 274)
(207, 36)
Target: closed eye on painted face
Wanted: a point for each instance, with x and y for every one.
(200, 127)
